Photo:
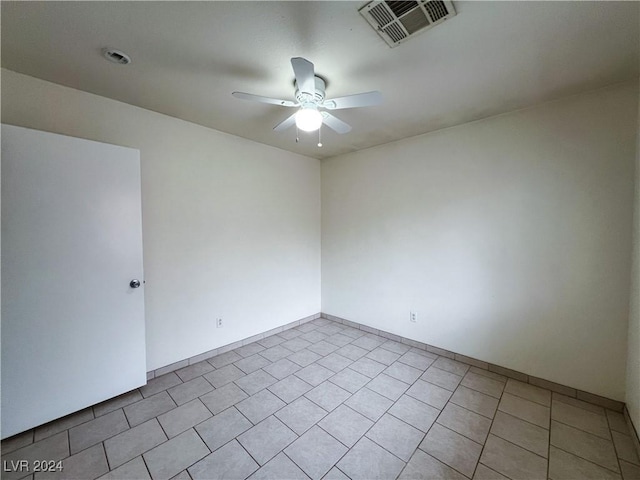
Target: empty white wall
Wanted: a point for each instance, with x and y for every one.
(633, 360)
(510, 237)
(231, 228)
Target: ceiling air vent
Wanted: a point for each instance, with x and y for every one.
(397, 21)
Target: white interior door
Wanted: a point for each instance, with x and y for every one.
(73, 330)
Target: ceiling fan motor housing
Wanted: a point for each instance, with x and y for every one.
(318, 96)
(310, 97)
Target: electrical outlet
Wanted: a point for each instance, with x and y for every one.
(218, 322)
(413, 316)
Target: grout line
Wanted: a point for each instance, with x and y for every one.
(483, 373)
(145, 465)
(490, 427)
(549, 439)
(127, 418)
(446, 371)
(68, 444)
(319, 406)
(389, 451)
(443, 462)
(494, 470)
(590, 461)
(251, 456)
(163, 431)
(527, 421)
(386, 412)
(614, 443)
(468, 409)
(101, 441)
(521, 447)
(618, 458)
(363, 435)
(339, 441)
(338, 468)
(106, 457)
(635, 439)
(466, 386)
(580, 407)
(533, 401)
(457, 433)
(293, 461)
(610, 439)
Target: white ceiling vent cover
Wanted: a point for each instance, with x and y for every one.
(396, 22)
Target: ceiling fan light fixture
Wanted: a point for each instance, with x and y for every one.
(310, 97)
(308, 119)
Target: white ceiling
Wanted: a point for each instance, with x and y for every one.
(188, 57)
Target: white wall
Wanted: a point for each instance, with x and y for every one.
(633, 359)
(231, 227)
(510, 237)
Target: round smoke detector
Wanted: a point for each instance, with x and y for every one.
(116, 56)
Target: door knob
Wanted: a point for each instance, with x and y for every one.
(134, 283)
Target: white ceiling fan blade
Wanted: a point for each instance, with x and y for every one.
(305, 75)
(261, 99)
(335, 123)
(286, 123)
(367, 99)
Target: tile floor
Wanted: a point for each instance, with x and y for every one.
(327, 401)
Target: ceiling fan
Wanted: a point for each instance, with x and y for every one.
(311, 103)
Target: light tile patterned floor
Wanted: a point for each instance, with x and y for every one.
(325, 400)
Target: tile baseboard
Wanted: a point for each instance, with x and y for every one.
(614, 405)
(227, 348)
